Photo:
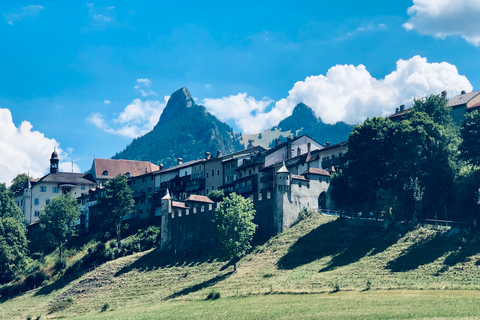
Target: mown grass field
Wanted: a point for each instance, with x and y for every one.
(321, 268)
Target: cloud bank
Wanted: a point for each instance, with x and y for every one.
(345, 93)
(443, 18)
(23, 150)
(20, 14)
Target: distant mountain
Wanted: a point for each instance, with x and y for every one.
(302, 121)
(185, 130)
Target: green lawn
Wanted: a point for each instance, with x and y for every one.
(411, 271)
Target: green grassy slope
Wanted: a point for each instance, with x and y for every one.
(319, 255)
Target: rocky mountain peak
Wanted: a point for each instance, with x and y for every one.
(302, 110)
(179, 101)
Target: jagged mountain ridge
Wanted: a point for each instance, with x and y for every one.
(187, 130)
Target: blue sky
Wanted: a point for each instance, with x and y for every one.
(88, 77)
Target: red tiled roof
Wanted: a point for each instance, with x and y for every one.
(476, 105)
(297, 177)
(317, 171)
(197, 198)
(178, 204)
(116, 167)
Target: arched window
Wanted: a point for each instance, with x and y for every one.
(127, 174)
(105, 173)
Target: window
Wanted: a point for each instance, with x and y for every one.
(37, 213)
(127, 174)
(250, 171)
(149, 189)
(207, 174)
(143, 180)
(37, 201)
(194, 209)
(240, 174)
(47, 201)
(213, 187)
(105, 173)
(55, 189)
(202, 208)
(268, 194)
(43, 189)
(141, 211)
(207, 191)
(83, 187)
(259, 196)
(210, 206)
(213, 172)
(194, 169)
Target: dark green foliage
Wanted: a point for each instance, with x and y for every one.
(216, 195)
(105, 307)
(117, 203)
(303, 214)
(303, 118)
(470, 146)
(18, 182)
(8, 209)
(13, 248)
(58, 219)
(235, 229)
(213, 295)
(405, 170)
(185, 130)
(60, 305)
(467, 194)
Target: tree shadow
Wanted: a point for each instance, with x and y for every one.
(421, 253)
(347, 241)
(200, 286)
(157, 259)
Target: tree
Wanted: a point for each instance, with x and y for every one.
(13, 248)
(117, 203)
(235, 229)
(13, 241)
(18, 182)
(216, 195)
(470, 131)
(8, 209)
(58, 219)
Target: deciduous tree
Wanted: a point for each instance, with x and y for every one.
(58, 219)
(235, 228)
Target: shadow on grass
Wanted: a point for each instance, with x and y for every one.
(346, 241)
(158, 259)
(428, 251)
(58, 284)
(199, 286)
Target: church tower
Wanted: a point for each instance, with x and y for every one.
(54, 162)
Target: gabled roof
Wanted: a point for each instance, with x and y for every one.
(297, 177)
(476, 105)
(197, 198)
(68, 178)
(317, 171)
(115, 167)
(462, 98)
(180, 166)
(178, 204)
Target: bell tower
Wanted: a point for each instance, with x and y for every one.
(54, 162)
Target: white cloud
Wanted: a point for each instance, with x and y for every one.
(19, 14)
(23, 150)
(138, 118)
(143, 86)
(443, 18)
(345, 93)
(101, 17)
(107, 101)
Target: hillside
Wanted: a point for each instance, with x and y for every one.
(185, 130)
(318, 255)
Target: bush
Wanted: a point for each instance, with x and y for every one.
(213, 295)
(61, 305)
(105, 307)
(60, 264)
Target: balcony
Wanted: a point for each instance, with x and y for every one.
(266, 179)
(193, 185)
(139, 194)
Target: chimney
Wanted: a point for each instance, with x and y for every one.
(289, 147)
(179, 161)
(444, 94)
(219, 154)
(208, 155)
(251, 143)
(277, 142)
(309, 145)
(463, 92)
(397, 110)
(402, 107)
(160, 166)
(327, 144)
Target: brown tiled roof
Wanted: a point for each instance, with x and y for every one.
(178, 204)
(197, 198)
(317, 171)
(476, 105)
(116, 167)
(297, 177)
(462, 98)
